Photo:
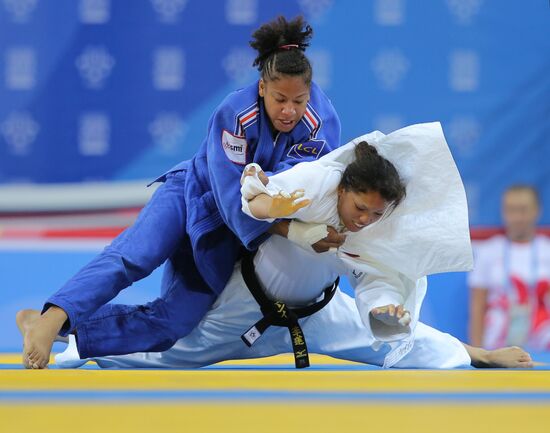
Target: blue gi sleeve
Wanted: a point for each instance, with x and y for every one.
(133, 255)
(227, 156)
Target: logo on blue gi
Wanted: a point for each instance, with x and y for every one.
(312, 148)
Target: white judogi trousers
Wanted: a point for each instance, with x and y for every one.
(336, 330)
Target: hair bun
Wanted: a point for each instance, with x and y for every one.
(278, 35)
(364, 150)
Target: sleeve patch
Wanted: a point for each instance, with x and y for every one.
(312, 148)
(234, 147)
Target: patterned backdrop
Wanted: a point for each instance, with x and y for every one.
(112, 90)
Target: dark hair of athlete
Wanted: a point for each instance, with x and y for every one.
(281, 45)
(372, 172)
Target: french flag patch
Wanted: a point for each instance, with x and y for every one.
(246, 118)
(312, 120)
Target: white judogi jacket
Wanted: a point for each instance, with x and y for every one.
(389, 260)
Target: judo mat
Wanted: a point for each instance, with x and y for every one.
(269, 395)
(257, 396)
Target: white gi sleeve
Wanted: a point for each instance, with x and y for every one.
(301, 233)
(319, 181)
(377, 286)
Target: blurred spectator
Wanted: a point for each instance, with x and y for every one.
(510, 285)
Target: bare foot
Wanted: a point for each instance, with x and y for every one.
(510, 357)
(39, 332)
(506, 357)
(24, 319)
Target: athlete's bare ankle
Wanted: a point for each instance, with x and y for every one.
(52, 319)
(55, 314)
(481, 358)
(56, 311)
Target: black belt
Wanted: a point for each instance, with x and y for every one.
(277, 313)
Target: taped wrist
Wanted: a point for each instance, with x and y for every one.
(305, 234)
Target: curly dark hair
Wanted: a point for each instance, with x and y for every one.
(280, 45)
(372, 172)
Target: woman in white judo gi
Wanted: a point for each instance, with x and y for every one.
(383, 328)
(427, 233)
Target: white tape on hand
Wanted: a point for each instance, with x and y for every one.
(389, 320)
(406, 319)
(249, 166)
(305, 234)
(251, 185)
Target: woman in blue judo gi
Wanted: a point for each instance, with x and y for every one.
(193, 223)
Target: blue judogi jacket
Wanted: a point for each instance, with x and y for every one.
(194, 222)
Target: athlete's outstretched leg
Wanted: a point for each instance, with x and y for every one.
(506, 357)
(216, 338)
(117, 329)
(435, 349)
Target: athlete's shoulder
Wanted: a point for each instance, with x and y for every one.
(239, 110)
(240, 99)
(319, 109)
(317, 96)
